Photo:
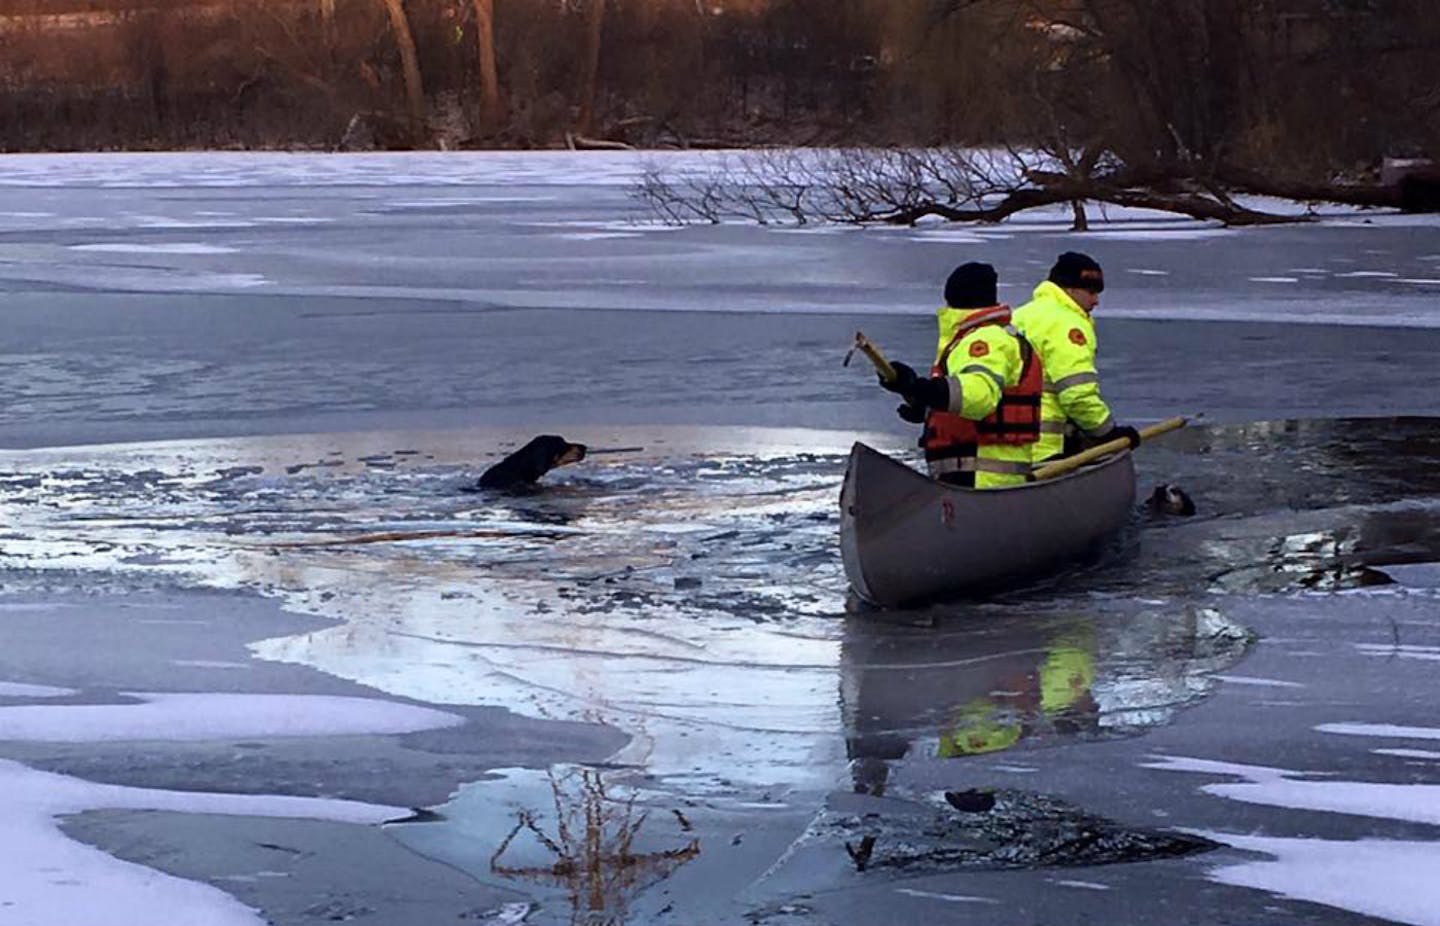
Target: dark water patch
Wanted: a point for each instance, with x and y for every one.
(1346, 557)
(1284, 506)
(1264, 466)
(1331, 549)
(988, 830)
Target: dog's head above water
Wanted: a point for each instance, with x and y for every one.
(526, 465)
(1170, 500)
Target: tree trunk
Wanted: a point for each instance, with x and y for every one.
(1249, 181)
(590, 67)
(489, 76)
(327, 34)
(1191, 204)
(414, 88)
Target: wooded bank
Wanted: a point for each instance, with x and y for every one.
(1313, 84)
(1170, 103)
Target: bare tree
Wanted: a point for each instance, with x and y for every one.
(904, 185)
(489, 76)
(410, 63)
(590, 65)
(1217, 93)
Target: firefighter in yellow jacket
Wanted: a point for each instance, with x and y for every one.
(1057, 323)
(981, 402)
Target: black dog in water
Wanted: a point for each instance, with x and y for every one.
(1170, 499)
(526, 465)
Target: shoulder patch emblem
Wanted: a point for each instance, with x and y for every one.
(979, 349)
(1077, 337)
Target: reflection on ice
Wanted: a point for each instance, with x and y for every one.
(905, 696)
(576, 837)
(1022, 681)
(593, 850)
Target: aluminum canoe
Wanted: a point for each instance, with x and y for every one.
(907, 539)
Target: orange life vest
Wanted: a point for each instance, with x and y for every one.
(1015, 420)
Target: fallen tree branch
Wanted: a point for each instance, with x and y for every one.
(1254, 183)
(1018, 201)
(905, 186)
(585, 143)
(1192, 204)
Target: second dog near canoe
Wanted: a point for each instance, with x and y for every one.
(1170, 499)
(526, 465)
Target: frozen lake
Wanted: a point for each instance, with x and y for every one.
(249, 605)
(181, 295)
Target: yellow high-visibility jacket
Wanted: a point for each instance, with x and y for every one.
(1064, 335)
(978, 376)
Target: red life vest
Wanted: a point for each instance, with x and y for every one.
(1015, 420)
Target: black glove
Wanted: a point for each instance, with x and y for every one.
(904, 381)
(1127, 432)
(915, 414)
(922, 392)
(932, 392)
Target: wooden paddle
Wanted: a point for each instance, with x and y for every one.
(1069, 464)
(868, 348)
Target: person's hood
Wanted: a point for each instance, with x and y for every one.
(1051, 292)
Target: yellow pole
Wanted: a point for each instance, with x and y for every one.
(868, 348)
(1069, 464)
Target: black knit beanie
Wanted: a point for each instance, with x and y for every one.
(1074, 270)
(971, 286)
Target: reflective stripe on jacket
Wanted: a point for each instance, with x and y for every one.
(1064, 335)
